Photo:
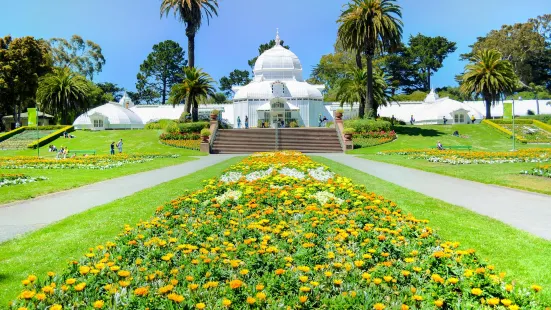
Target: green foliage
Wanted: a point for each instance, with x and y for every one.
(205, 132)
(11, 133)
(160, 124)
(172, 127)
(184, 117)
(367, 125)
(196, 85)
(51, 137)
(215, 112)
(428, 54)
(510, 121)
(83, 57)
(62, 92)
(490, 76)
(193, 127)
(415, 96)
(191, 13)
(352, 88)
(236, 77)
(348, 131)
(113, 90)
(22, 62)
(545, 118)
(161, 69)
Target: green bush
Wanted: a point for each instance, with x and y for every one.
(193, 127)
(184, 117)
(205, 132)
(172, 128)
(51, 137)
(542, 117)
(160, 124)
(415, 96)
(49, 127)
(367, 125)
(349, 131)
(12, 133)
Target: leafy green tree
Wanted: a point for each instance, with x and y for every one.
(428, 54)
(145, 93)
(264, 47)
(113, 90)
(401, 70)
(454, 93)
(63, 92)
(191, 13)
(236, 77)
(195, 86)
(374, 26)
(22, 62)
(536, 90)
(352, 88)
(84, 57)
(489, 75)
(161, 68)
(414, 96)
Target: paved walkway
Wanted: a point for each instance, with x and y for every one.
(21, 217)
(528, 211)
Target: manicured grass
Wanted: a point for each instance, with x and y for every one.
(480, 137)
(135, 142)
(524, 257)
(499, 174)
(51, 248)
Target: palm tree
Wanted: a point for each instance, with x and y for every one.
(352, 88)
(195, 86)
(191, 13)
(373, 26)
(488, 75)
(63, 91)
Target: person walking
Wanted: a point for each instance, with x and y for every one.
(411, 120)
(112, 148)
(320, 121)
(246, 122)
(445, 120)
(239, 122)
(472, 119)
(119, 146)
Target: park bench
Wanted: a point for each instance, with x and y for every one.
(455, 147)
(93, 152)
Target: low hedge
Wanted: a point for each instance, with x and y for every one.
(545, 118)
(542, 125)
(518, 121)
(48, 127)
(180, 136)
(11, 133)
(160, 124)
(367, 125)
(495, 125)
(51, 137)
(193, 127)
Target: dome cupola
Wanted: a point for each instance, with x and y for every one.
(278, 63)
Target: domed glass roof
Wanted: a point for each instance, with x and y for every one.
(278, 63)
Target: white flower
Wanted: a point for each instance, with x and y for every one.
(325, 197)
(290, 172)
(320, 174)
(231, 177)
(229, 195)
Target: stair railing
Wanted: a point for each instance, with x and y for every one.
(339, 135)
(277, 137)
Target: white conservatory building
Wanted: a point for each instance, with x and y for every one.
(112, 115)
(278, 93)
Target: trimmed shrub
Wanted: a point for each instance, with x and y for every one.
(160, 124)
(205, 132)
(51, 137)
(503, 130)
(367, 125)
(172, 128)
(179, 136)
(12, 133)
(518, 121)
(193, 127)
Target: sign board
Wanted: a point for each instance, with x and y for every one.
(32, 119)
(507, 110)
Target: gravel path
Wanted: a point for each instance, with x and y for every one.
(528, 211)
(21, 217)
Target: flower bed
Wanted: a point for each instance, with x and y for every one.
(530, 133)
(184, 144)
(277, 231)
(16, 179)
(23, 139)
(100, 162)
(536, 155)
(373, 138)
(540, 170)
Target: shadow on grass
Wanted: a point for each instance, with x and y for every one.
(417, 131)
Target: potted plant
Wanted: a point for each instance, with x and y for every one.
(205, 134)
(338, 113)
(348, 132)
(214, 114)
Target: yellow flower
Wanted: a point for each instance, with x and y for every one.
(359, 263)
(328, 274)
(508, 287)
(377, 281)
(250, 300)
(200, 306)
(141, 291)
(337, 282)
(259, 287)
(405, 273)
(226, 302)
(476, 291)
(83, 270)
(40, 296)
(56, 307)
(124, 273)
(417, 297)
(235, 284)
(303, 299)
(279, 271)
(124, 283)
(244, 271)
(303, 279)
(98, 304)
(26, 282)
(193, 286)
(387, 278)
(536, 288)
(404, 307)
(79, 287)
(514, 307)
(378, 306)
(260, 296)
(493, 301)
(506, 302)
(453, 280)
(70, 281)
(32, 278)
(51, 274)
(27, 294)
(439, 303)
(305, 289)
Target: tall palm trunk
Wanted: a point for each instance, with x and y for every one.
(187, 106)
(428, 79)
(488, 99)
(190, 33)
(369, 111)
(194, 109)
(362, 96)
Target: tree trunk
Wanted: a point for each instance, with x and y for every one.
(362, 97)
(359, 59)
(190, 45)
(428, 78)
(164, 93)
(488, 100)
(537, 105)
(195, 112)
(369, 113)
(187, 106)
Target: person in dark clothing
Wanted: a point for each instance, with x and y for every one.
(112, 148)
(445, 120)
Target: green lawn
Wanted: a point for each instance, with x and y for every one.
(135, 142)
(524, 257)
(51, 248)
(480, 137)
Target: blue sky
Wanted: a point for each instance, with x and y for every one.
(127, 29)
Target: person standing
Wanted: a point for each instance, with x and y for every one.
(112, 148)
(445, 120)
(246, 122)
(392, 120)
(119, 146)
(320, 121)
(239, 122)
(472, 119)
(411, 120)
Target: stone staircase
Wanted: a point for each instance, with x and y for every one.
(306, 140)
